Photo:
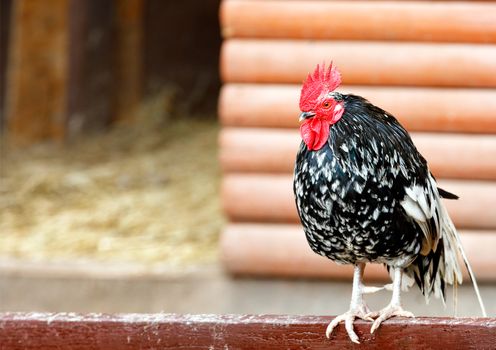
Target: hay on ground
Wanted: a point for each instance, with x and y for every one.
(145, 193)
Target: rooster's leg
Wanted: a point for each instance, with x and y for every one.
(394, 308)
(358, 308)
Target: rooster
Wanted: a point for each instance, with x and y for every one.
(364, 194)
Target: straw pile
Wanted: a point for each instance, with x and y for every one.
(144, 193)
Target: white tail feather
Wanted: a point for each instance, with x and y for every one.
(451, 235)
(472, 276)
(448, 271)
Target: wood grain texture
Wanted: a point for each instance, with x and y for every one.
(266, 150)
(355, 20)
(282, 250)
(418, 109)
(170, 331)
(360, 62)
(269, 198)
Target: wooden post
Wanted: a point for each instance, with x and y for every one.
(128, 61)
(181, 48)
(37, 71)
(5, 14)
(168, 331)
(91, 66)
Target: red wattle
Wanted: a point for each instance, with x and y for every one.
(315, 132)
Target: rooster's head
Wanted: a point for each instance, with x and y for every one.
(320, 107)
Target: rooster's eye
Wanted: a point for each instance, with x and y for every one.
(326, 104)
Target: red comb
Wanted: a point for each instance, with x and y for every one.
(321, 80)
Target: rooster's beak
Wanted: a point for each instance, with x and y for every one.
(306, 115)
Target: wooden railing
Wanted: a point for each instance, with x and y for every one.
(170, 331)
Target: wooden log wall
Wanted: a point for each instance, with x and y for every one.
(28, 331)
(431, 64)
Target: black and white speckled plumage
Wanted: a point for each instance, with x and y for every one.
(368, 196)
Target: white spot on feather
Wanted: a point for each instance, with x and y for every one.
(365, 223)
(375, 214)
(412, 208)
(358, 187)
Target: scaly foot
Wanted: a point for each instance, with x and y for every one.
(386, 313)
(361, 311)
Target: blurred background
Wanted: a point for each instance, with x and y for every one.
(147, 147)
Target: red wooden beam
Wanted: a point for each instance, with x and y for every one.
(360, 62)
(361, 20)
(256, 197)
(169, 331)
(282, 250)
(270, 150)
(417, 108)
